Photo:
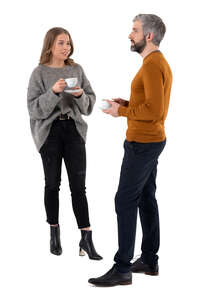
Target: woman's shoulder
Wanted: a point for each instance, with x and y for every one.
(37, 71)
(76, 66)
(35, 77)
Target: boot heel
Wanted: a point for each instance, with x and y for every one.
(126, 283)
(81, 252)
(87, 243)
(152, 273)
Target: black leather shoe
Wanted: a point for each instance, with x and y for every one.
(86, 244)
(112, 278)
(139, 267)
(55, 244)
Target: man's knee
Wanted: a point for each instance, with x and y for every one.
(125, 202)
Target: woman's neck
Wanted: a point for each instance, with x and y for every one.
(56, 63)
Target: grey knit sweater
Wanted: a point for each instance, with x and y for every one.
(44, 105)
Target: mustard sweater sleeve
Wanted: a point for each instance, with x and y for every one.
(153, 108)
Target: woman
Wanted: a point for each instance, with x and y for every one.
(59, 132)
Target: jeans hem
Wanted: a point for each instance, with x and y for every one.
(84, 226)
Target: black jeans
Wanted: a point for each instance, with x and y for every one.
(64, 141)
(137, 191)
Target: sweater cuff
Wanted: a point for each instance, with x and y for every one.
(82, 100)
(53, 93)
(123, 111)
(77, 97)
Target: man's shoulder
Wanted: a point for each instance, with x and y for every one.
(156, 62)
(151, 64)
(155, 59)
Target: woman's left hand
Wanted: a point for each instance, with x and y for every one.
(78, 94)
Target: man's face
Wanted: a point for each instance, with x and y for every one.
(137, 38)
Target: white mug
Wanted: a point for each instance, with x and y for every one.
(105, 104)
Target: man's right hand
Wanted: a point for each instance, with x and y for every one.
(59, 86)
(121, 101)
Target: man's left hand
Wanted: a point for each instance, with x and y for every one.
(113, 110)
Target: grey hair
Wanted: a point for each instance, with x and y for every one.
(152, 23)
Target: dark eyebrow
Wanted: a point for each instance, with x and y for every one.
(63, 41)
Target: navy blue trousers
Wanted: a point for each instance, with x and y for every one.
(136, 191)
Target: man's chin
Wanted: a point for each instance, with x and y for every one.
(133, 49)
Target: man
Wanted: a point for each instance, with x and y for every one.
(145, 140)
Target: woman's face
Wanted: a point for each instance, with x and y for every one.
(61, 47)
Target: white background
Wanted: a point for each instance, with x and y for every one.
(99, 30)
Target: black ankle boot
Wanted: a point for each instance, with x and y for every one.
(86, 244)
(55, 244)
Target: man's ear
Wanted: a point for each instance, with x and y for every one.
(150, 36)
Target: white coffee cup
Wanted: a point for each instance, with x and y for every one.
(105, 104)
(71, 82)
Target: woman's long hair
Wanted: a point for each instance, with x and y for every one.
(49, 39)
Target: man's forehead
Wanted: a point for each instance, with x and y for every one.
(137, 25)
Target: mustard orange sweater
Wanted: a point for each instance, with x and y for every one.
(149, 100)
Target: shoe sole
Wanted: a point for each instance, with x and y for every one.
(110, 285)
(146, 273)
(56, 253)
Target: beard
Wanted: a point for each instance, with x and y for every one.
(140, 46)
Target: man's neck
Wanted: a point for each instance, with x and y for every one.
(148, 50)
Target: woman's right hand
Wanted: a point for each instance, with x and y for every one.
(121, 101)
(59, 86)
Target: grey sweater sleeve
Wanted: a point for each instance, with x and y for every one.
(87, 100)
(41, 103)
